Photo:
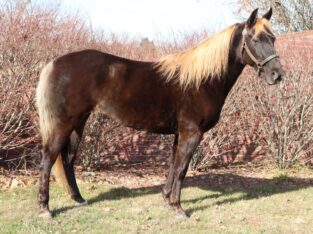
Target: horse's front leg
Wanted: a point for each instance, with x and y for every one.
(189, 138)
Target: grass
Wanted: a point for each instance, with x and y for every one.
(266, 206)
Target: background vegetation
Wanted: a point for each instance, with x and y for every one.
(257, 120)
(290, 15)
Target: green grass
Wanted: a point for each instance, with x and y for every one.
(266, 207)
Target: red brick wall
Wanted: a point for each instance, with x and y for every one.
(293, 45)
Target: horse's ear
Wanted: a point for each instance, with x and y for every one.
(268, 14)
(252, 18)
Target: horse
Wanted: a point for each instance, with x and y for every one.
(180, 94)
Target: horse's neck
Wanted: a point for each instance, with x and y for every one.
(235, 66)
(232, 77)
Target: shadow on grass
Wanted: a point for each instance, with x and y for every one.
(223, 184)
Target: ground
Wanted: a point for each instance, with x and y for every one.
(245, 198)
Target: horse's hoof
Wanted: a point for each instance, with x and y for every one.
(181, 215)
(46, 214)
(82, 203)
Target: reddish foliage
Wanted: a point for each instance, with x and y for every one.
(32, 34)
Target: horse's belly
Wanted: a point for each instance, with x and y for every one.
(147, 119)
(108, 108)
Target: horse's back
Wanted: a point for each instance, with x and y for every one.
(128, 91)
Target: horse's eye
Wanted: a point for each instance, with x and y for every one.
(255, 40)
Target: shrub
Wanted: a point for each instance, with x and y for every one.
(287, 112)
(254, 120)
(31, 34)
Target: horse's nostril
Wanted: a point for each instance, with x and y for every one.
(276, 76)
(279, 78)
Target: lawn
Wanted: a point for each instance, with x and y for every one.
(216, 203)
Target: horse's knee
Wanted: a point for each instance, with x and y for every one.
(46, 159)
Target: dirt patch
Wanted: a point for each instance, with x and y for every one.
(154, 174)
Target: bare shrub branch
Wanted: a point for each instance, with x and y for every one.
(289, 15)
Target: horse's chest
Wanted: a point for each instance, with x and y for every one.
(210, 114)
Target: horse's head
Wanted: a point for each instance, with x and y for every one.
(258, 47)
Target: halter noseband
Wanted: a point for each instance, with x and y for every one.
(258, 63)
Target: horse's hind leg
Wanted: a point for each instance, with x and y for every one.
(49, 153)
(166, 191)
(69, 155)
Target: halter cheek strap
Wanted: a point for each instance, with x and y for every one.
(259, 64)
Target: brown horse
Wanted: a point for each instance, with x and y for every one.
(181, 94)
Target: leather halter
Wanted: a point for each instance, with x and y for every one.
(258, 63)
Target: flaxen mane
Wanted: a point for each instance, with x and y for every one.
(207, 60)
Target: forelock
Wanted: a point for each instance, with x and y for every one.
(262, 25)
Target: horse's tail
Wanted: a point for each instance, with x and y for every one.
(59, 172)
(47, 110)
